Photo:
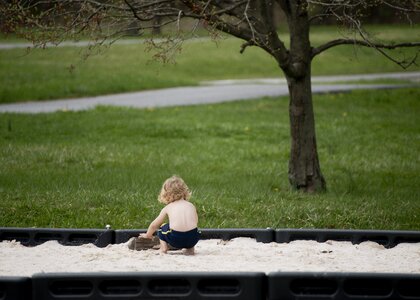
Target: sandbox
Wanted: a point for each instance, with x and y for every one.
(240, 262)
(236, 255)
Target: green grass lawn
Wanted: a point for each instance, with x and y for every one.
(62, 73)
(106, 166)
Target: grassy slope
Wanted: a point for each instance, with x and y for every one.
(45, 74)
(105, 166)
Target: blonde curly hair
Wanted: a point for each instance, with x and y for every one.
(174, 189)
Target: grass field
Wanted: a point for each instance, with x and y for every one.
(106, 166)
(62, 73)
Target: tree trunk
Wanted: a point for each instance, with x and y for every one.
(157, 26)
(304, 170)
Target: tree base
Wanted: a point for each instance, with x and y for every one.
(312, 185)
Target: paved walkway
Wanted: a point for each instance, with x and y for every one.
(213, 92)
(412, 76)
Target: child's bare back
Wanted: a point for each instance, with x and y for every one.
(182, 215)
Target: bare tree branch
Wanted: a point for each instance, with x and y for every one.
(338, 42)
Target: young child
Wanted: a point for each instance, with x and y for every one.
(181, 232)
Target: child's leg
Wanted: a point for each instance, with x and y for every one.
(162, 234)
(189, 251)
(163, 247)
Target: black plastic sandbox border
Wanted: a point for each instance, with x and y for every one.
(104, 237)
(210, 285)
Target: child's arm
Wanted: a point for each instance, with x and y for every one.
(155, 225)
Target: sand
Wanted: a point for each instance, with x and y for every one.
(240, 254)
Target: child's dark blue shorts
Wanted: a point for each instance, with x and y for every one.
(178, 239)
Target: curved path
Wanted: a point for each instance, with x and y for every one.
(212, 92)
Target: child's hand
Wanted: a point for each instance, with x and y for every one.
(144, 235)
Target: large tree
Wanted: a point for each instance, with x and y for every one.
(250, 20)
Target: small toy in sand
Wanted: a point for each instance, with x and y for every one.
(140, 243)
